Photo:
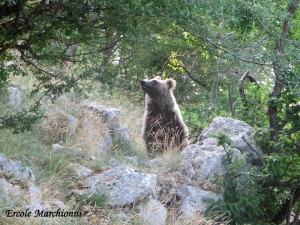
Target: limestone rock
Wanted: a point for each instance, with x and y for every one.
(80, 171)
(29, 196)
(72, 124)
(57, 147)
(187, 168)
(153, 213)
(122, 135)
(194, 200)
(134, 160)
(114, 163)
(205, 160)
(241, 134)
(15, 97)
(122, 185)
(105, 143)
(35, 197)
(9, 167)
(10, 194)
(114, 132)
(110, 115)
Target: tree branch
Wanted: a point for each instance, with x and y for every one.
(215, 45)
(168, 62)
(19, 10)
(241, 86)
(284, 209)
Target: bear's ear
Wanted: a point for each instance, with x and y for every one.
(171, 84)
(157, 78)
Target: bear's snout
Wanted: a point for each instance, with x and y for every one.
(144, 85)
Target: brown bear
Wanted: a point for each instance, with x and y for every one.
(163, 127)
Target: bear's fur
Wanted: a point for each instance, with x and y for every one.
(163, 126)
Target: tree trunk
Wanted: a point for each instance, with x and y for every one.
(230, 101)
(274, 120)
(286, 207)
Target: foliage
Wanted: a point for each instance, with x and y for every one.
(265, 195)
(98, 200)
(243, 194)
(205, 45)
(257, 100)
(46, 38)
(22, 120)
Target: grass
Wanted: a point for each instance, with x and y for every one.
(173, 160)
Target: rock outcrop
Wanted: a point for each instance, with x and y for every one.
(11, 168)
(17, 188)
(112, 133)
(204, 160)
(120, 185)
(188, 188)
(152, 212)
(17, 184)
(241, 134)
(194, 200)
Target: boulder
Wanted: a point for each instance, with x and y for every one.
(153, 212)
(23, 193)
(80, 171)
(241, 134)
(133, 160)
(105, 143)
(121, 135)
(187, 169)
(72, 124)
(121, 185)
(204, 161)
(114, 133)
(57, 147)
(35, 197)
(110, 115)
(10, 194)
(15, 169)
(194, 200)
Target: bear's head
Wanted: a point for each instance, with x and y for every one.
(156, 86)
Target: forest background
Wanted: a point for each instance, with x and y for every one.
(237, 58)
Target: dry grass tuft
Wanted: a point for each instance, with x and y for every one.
(175, 218)
(54, 127)
(90, 131)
